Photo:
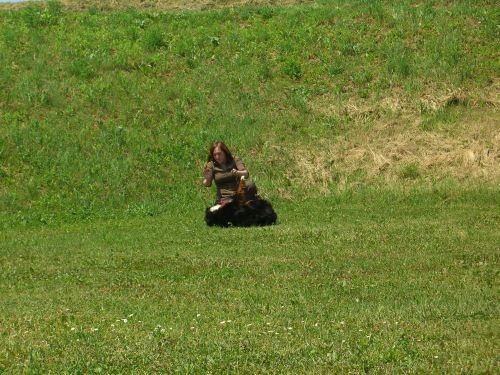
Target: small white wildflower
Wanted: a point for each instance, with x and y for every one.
(124, 320)
(317, 324)
(198, 315)
(73, 328)
(436, 357)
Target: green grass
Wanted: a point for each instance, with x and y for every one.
(370, 125)
(387, 284)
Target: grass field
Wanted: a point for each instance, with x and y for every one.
(361, 286)
(372, 126)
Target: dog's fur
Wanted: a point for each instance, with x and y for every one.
(241, 212)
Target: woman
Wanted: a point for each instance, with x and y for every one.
(226, 171)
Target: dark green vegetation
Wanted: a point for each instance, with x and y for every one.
(371, 125)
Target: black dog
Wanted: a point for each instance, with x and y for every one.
(244, 210)
(257, 212)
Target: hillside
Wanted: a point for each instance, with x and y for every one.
(110, 112)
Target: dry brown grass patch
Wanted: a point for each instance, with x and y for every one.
(161, 4)
(470, 154)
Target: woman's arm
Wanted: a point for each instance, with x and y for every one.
(240, 170)
(208, 175)
(240, 173)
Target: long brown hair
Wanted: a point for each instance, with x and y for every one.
(223, 147)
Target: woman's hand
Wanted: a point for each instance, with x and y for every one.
(208, 172)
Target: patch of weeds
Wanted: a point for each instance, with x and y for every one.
(336, 68)
(452, 47)
(298, 99)
(265, 72)
(399, 64)
(362, 77)
(10, 37)
(334, 125)
(38, 16)
(147, 208)
(93, 10)
(292, 69)
(153, 39)
(119, 135)
(266, 12)
(448, 114)
(349, 48)
(81, 68)
(377, 10)
(191, 61)
(286, 47)
(132, 33)
(363, 93)
(410, 172)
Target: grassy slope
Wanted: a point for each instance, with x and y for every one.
(111, 112)
(405, 287)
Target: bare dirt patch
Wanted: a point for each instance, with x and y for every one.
(162, 4)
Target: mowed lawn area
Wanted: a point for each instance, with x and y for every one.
(375, 284)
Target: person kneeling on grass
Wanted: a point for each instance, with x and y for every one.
(236, 202)
(226, 170)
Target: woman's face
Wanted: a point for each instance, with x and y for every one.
(219, 155)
